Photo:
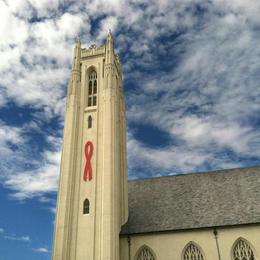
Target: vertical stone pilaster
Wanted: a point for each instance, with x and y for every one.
(61, 243)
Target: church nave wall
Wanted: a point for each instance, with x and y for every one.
(180, 245)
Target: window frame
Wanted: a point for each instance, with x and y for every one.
(194, 244)
(247, 242)
(86, 201)
(141, 249)
(92, 88)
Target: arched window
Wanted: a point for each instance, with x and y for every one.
(145, 253)
(92, 89)
(242, 250)
(192, 252)
(86, 206)
(89, 122)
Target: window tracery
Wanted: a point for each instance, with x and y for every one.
(92, 89)
(242, 250)
(192, 252)
(145, 254)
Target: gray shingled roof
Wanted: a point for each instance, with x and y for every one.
(220, 198)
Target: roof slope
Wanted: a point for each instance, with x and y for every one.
(220, 198)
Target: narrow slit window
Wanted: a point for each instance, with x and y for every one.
(89, 122)
(86, 207)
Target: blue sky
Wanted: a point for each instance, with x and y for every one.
(192, 86)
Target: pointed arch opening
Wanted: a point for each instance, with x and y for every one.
(145, 253)
(89, 121)
(86, 206)
(192, 251)
(243, 250)
(92, 88)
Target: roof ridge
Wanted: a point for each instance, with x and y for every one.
(196, 173)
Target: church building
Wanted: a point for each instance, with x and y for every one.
(103, 216)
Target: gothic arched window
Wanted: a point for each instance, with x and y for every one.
(86, 206)
(89, 122)
(242, 250)
(92, 89)
(192, 252)
(145, 253)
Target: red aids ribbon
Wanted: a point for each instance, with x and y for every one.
(88, 154)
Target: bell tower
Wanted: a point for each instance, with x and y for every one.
(92, 200)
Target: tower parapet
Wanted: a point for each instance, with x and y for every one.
(93, 50)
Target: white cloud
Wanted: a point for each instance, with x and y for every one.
(41, 250)
(35, 183)
(207, 99)
(95, 8)
(109, 23)
(159, 161)
(35, 59)
(8, 28)
(9, 134)
(204, 99)
(29, 8)
(17, 156)
(17, 238)
(14, 237)
(44, 6)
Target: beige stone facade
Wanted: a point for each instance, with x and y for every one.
(91, 211)
(170, 218)
(172, 245)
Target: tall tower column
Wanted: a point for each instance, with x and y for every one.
(92, 200)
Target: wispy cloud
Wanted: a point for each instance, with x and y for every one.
(191, 69)
(14, 236)
(206, 101)
(17, 238)
(35, 183)
(43, 167)
(41, 250)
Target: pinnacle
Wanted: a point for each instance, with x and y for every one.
(110, 36)
(78, 39)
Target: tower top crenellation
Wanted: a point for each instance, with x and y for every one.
(93, 50)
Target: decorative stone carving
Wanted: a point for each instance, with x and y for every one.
(242, 250)
(145, 254)
(192, 252)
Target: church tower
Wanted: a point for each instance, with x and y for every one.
(92, 199)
